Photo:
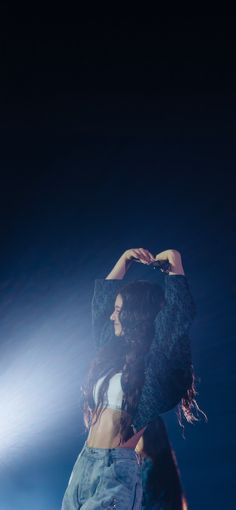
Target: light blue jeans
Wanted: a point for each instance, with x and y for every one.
(105, 478)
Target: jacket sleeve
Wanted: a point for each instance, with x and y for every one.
(168, 365)
(105, 292)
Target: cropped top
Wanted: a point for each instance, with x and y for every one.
(114, 392)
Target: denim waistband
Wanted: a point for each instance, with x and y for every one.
(114, 453)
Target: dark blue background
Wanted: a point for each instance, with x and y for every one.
(116, 133)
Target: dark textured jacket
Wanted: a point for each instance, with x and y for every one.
(168, 367)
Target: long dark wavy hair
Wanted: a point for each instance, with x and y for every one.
(142, 300)
(160, 474)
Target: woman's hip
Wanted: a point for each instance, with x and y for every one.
(105, 478)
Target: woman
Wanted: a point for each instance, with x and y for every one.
(142, 368)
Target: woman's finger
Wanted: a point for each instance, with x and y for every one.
(144, 255)
(148, 256)
(137, 254)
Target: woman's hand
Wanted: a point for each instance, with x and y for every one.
(123, 264)
(174, 259)
(141, 254)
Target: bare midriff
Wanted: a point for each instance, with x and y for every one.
(105, 432)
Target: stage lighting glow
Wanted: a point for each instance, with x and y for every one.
(40, 377)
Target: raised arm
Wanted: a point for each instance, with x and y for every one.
(105, 291)
(168, 372)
